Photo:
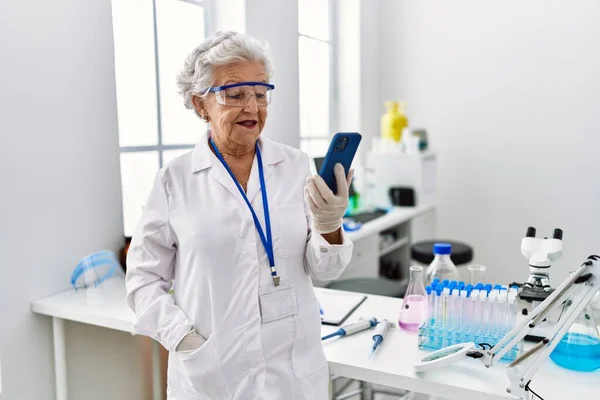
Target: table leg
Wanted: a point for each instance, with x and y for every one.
(157, 386)
(60, 358)
(367, 390)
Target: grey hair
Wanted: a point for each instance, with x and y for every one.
(222, 48)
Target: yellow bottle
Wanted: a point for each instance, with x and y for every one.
(393, 121)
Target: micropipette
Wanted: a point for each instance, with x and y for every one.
(380, 331)
(350, 329)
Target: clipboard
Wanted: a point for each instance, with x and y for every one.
(336, 307)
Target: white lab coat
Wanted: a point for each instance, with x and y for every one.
(263, 341)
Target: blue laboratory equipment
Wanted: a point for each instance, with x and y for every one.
(94, 269)
(579, 349)
(350, 329)
(380, 332)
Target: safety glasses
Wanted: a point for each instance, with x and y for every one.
(239, 94)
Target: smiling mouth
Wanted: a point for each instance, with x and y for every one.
(249, 123)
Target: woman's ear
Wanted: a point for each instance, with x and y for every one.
(198, 103)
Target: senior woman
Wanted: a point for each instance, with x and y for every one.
(239, 226)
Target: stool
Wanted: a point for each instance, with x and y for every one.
(422, 252)
(378, 286)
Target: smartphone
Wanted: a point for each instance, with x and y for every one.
(342, 149)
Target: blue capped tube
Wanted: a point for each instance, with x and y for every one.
(447, 301)
(438, 306)
(430, 300)
(452, 286)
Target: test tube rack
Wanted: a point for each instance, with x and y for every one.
(459, 313)
(436, 338)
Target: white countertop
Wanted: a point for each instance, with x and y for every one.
(395, 216)
(391, 365)
(107, 308)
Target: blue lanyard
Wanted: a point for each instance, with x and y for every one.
(268, 241)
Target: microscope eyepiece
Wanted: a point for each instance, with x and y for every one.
(530, 232)
(558, 234)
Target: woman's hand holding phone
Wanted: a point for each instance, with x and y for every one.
(328, 208)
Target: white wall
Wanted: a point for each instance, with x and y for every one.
(357, 74)
(276, 22)
(61, 197)
(509, 94)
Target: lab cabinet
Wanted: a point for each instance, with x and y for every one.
(390, 244)
(423, 227)
(364, 263)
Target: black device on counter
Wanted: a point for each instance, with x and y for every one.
(402, 196)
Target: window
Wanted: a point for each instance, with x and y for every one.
(152, 39)
(315, 50)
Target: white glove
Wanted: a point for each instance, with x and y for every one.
(328, 208)
(192, 341)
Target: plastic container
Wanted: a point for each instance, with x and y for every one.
(476, 273)
(415, 307)
(442, 266)
(393, 121)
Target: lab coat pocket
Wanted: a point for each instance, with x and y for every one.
(203, 377)
(307, 355)
(291, 230)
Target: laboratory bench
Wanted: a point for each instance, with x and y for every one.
(391, 365)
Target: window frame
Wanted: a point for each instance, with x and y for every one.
(160, 147)
(333, 65)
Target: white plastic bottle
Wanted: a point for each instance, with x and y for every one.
(442, 266)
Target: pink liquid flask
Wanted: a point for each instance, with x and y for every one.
(415, 308)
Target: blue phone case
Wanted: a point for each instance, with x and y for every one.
(341, 150)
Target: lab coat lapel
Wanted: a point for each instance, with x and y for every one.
(203, 158)
(271, 155)
(253, 188)
(220, 174)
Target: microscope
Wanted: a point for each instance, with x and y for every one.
(540, 253)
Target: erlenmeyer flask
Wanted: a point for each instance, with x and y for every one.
(414, 307)
(579, 349)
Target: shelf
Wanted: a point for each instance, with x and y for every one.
(397, 244)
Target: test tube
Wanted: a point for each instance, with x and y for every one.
(501, 312)
(467, 309)
(438, 307)
(447, 308)
(458, 309)
(452, 286)
(475, 310)
(488, 288)
(484, 318)
(492, 313)
(430, 300)
(512, 311)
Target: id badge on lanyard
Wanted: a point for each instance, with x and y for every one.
(267, 240)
